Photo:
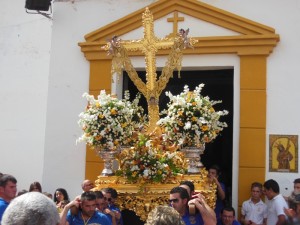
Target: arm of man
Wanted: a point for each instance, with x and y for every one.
(220, 189)
(243, 214)
(107, 211)
(63, 215)
(280, 204)
(207, 213)
(243, 220)
(265, 221)
(281, 220)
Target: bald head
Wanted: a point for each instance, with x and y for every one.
(87, 185)
(32, 208)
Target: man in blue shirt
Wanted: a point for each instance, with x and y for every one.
(8, 191)
(228, 217)
(86, 214)
(179, 200)
(110, 208)
(213, 175)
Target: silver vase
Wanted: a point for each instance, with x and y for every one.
(108, 156)
(193, 156)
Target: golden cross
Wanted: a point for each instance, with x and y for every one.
(149, 45)
(175, 21)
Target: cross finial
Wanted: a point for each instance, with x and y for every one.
(175, 21)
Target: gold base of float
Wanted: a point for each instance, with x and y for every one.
(143, 197)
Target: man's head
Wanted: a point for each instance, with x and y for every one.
(110, 196)
(164, 215)
(32, 208)
(214, 171)
(271, 189)
(88, 203)
(227, 215)
(297, 186)
(178, 199)
(8, 187)
(100, 202)
(189, 186)
(87, 185)
(256, 191)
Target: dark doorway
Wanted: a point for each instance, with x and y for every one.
(218, 86)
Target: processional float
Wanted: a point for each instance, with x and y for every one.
(157, 156)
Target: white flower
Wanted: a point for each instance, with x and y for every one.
(187, 125)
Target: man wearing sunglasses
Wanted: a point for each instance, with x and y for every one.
(110, 197)
(180, 199)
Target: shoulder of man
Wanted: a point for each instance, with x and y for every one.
(3, 202)
(102, 218)
(235, 222)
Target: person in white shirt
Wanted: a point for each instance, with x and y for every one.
(275, 204)
(254, 210)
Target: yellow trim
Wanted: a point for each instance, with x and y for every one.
(253, 45)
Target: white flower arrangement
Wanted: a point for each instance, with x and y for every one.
(191, 119)
(106, 122)
(138, 118)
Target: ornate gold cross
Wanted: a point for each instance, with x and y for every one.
(149, 45)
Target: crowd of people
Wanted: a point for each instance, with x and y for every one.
(185, 207)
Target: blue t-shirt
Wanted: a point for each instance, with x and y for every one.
(3, 206)
(235, 222)
(219, 203)
(192, 220)
(97, 218)
(115, 208)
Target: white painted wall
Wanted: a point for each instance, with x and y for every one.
(24, 72)
(43, 75)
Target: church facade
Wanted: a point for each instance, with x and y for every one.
(64, 60)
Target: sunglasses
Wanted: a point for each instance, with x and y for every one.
(107, 199)
(173, 200)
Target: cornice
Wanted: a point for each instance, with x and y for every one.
(240, 45)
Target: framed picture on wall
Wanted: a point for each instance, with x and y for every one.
(283, 153)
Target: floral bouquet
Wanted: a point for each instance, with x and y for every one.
(138, 118)
(191, 119)
(106, 122)
(151, 161)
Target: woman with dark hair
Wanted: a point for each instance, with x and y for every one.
(35, 186)
(61, 198)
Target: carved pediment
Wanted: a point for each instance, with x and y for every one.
(249, 37)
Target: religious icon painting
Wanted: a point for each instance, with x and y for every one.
(283, 153)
